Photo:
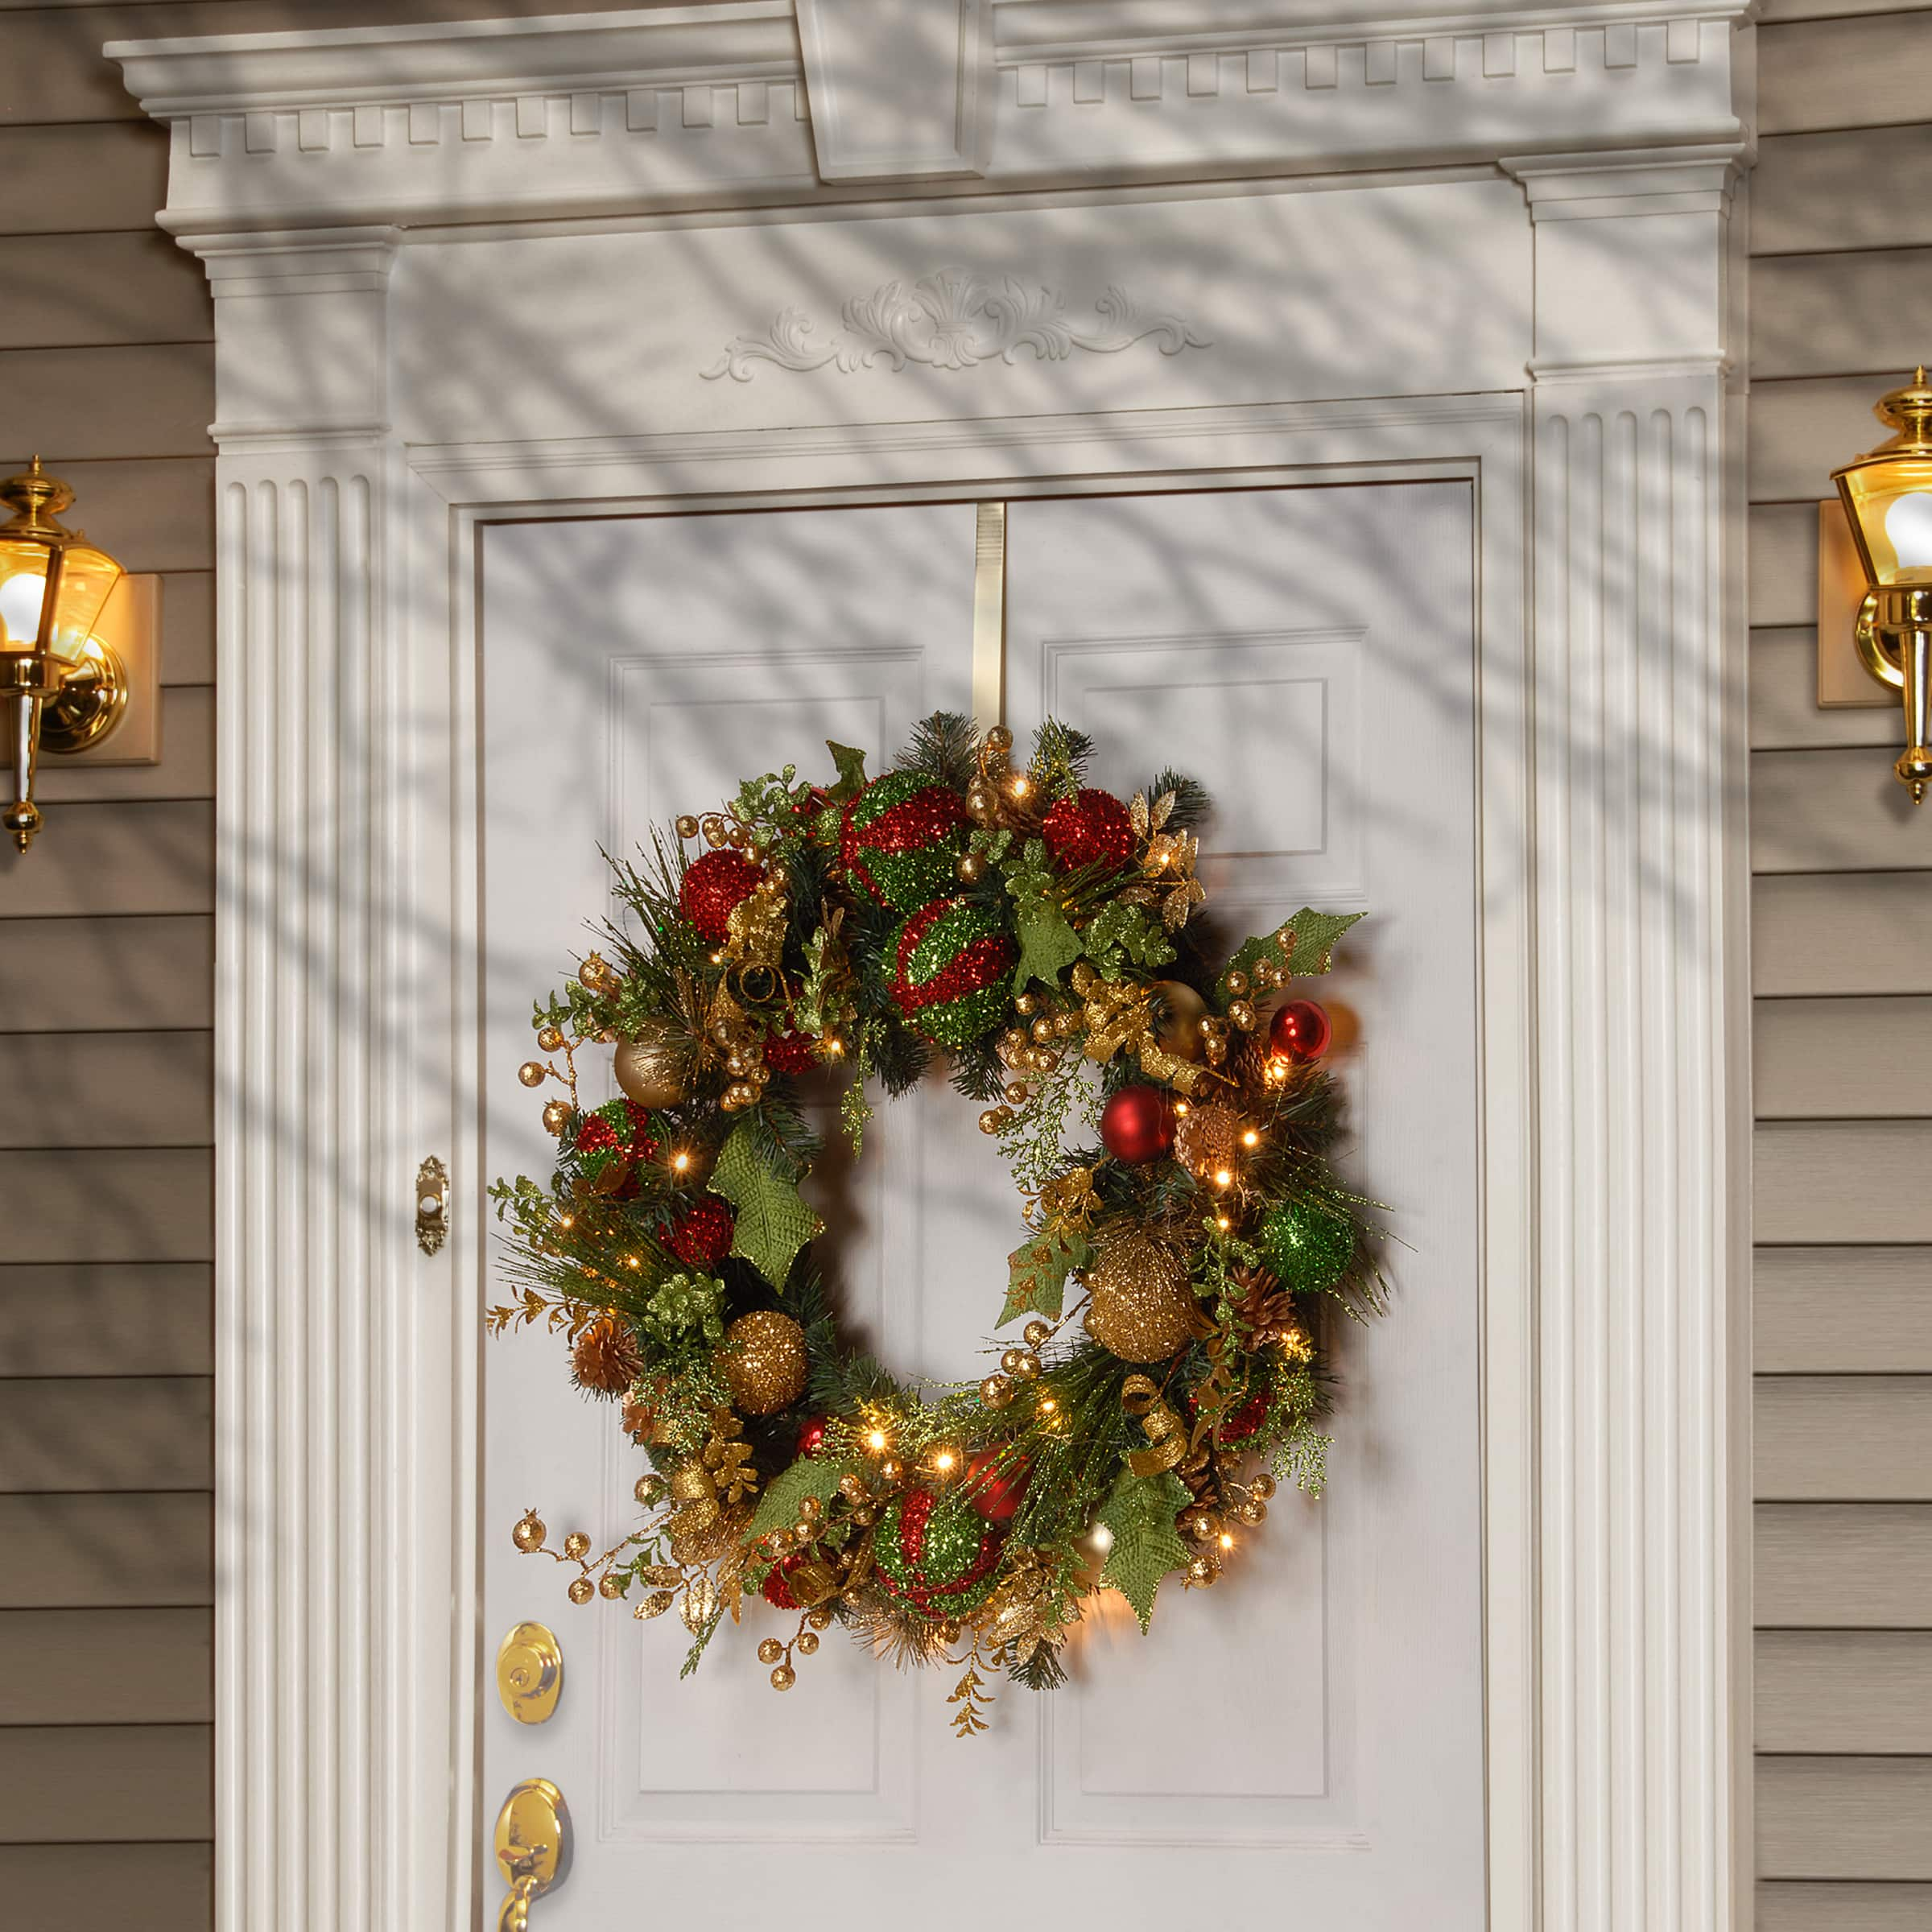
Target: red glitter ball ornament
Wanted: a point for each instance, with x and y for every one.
(996, 1484)
(1091, 828)
(793, 1053)
(701, 1236)
(713, 886)
(775, 1592)
(1300, 1030)
(1137, 1124)
(811, 1436)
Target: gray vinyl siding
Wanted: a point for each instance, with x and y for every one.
(1841, 307)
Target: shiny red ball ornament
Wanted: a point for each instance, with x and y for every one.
(713, 886)
(811, 1436)
(701, 1236)
(1300, 1030)
(1137, 1124)
(996, 1484)
(1091, 828)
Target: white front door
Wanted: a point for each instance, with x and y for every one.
(1306, 1740)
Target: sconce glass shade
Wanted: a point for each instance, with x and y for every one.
(1888, 492)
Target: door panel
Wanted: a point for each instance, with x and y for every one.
(1323, 1704)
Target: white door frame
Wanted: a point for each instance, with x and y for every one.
(1614, 996)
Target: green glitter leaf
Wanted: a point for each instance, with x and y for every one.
(808, 1475)
(772, 1223)
(1315, 933)
(1048, 945)
(1140, 1512)
(851, 763)
(1037, 1284)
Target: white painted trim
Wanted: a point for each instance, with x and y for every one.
(1614, 1055)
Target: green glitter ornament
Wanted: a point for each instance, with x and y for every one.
(1307, 1246)
(954, 980)
(938, 1558)
(900, 839)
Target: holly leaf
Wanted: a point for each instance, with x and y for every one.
(1140, 1512)
(808, 1475)
(851, 763)
(1037, 1283)
(1312, 937)
(1119, 935)
(772, 1223)
(1048, 945)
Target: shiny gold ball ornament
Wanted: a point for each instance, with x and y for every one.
(610, 1585)
(1179, 1030)
(650, 1490)
(550, 1038)
(763, 1361)
(1142, 1308)
(1263, 1486)
(783, 1677)
(1036, 1334)
(819, 1619)
(556, 1115)
(533, 1073)
(688, 825)
(1202, 1570)
(581, 1590)
(808, 1644)
(1027, 1368)
(1011, 1360)
(770, 1651)
(529, 1532)
(577, 1546)
(654, 1068)
(995, 1391)
(1207, 1142)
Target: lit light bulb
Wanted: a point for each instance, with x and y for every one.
(1019, 786)
(680, 1162)
(21, 597)
(1251, 1138)
(944, 1460)
(1908, 528)
(1227, 1541)
(1222, 1177)
(876, 1441)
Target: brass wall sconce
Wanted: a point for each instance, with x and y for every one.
(1886, 495)
(64, 688)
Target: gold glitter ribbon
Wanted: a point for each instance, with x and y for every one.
(1166, 1440)
(694, 1525)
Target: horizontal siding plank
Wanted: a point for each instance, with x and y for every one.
(1785, 715)
(1841, 932)
(139, 975)
(108, 1667)
(1798, 1907)
(1811, 193)
(1848, 1311)
(107, 1089)
(112, 1781)
(1834, 811)
(65, 1434)
(1868, 1818)
(186, 768)
(88, 177)
(1815, 1182)
(1798, 10)
(1842, 1566)
(154, 513)
(153, 400)
(158, 1888)
(94, 1550)
(1833, 1059)
(1783, 581)
(101, 290)
(1802, 429)
(1837, 1439)
(1833, 314)
(1862, 70)
(1865, 1691)
(188, 627)
(148, 857)
(62, 1319)
(134, 1205)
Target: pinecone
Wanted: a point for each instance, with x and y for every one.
(1265, 1304)
(606, 1357)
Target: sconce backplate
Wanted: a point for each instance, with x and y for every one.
(129, 625)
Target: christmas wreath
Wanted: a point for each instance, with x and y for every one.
(1038, 935)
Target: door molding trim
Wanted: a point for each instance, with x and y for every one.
(321, 176)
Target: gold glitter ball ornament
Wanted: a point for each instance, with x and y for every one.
(577, 1546)
(1141, 1307)
(770, 1650)
(556, 1115)
(611, 1586)
(783, 1677)
(764, 1361)
(581, 1590)
(533, 1073)
(529, 1533)
(808, 1643)
(654, 1068)
(1208, 1141)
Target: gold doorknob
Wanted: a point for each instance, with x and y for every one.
(533, 1848)
(529, 1673)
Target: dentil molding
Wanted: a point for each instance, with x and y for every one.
(776, 102)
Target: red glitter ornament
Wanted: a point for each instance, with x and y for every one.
(811, 1436)
(900, 838)
(1137, 1124)
(996, 1484)
(712, 886)
(701, 1236)
(774, 1590)
(793, 1053)
(1240, 1423)
(1091, 828)
(1300, 1030)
